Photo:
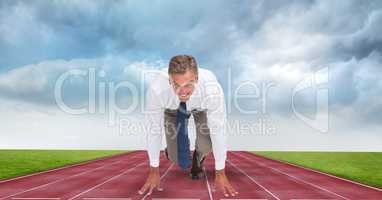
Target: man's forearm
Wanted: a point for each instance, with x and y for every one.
(154, 143)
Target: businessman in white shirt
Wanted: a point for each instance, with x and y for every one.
(171, 99)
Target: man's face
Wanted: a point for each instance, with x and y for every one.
(183, 84)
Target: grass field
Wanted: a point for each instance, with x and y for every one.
(363, 167)
(15, 163)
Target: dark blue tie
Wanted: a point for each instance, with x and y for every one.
(184, 156)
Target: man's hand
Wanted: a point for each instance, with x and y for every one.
(221, 181)
(152, 181)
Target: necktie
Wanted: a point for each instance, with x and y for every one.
(184, 157)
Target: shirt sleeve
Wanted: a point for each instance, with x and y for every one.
(153, 117)
(216, 119)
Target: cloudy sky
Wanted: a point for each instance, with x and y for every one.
(298, 75)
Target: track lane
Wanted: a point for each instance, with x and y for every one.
(177, 184)
(343, 187)
(124, 185)
(23, 183)
(282, 186)
(69, 185)
(120, 177)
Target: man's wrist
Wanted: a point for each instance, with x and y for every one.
(154, 169)
(220, 172)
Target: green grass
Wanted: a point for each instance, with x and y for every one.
(363, 167)
(15, 163)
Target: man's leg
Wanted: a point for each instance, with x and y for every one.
(171, 132)
(203, 144)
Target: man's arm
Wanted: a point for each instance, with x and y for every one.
(217, 120)
(153, 118)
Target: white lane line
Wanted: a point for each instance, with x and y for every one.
(253, 180)
(106, 198)
(298, 179)
(63, 179)
(312, 199)
(244, 199)
(64, 167)
(35, 198)
(173, 199)
(208, 184)
(368, 186)
(108, 180)
(163, 175)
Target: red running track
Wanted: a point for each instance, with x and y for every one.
(120, 177)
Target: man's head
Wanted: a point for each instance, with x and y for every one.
(183, 72)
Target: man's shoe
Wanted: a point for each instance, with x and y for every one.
(197, 168)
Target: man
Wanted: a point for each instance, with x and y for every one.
(171, 99)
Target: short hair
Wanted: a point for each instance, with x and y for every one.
(180, 64)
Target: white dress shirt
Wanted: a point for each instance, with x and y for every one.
(208, 95)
